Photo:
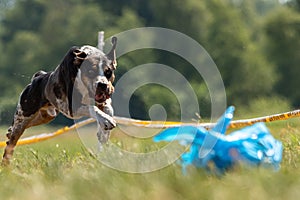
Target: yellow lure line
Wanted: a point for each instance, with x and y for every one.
(233, 124)
(46, 136)
(156, 124)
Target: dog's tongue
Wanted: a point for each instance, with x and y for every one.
(99, 97)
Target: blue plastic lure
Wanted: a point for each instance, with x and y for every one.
(252, 145)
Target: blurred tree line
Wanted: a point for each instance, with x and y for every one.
(254, 43)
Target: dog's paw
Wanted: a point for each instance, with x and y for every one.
(110, 124)
(107, 123)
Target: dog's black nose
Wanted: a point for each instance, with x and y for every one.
(102, 86)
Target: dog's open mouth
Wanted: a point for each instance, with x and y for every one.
(101, 95)
(103, 92)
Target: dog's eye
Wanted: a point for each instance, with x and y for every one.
(107, 73)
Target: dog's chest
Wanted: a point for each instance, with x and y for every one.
(63, 106)
(56, 93)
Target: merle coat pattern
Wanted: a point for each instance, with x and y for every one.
(81, 85)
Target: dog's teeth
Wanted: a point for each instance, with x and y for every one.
(98, 97)
(101, 97)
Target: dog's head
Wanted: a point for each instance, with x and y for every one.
(96, 71)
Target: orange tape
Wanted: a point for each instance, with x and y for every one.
(156, 124)
(46, 136)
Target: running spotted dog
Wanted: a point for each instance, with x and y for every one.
(80, 86)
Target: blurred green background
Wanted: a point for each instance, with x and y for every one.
(254, 43)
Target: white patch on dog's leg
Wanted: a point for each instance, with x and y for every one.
(103, 135)
(107, 108)
(106, 122)
(99, 133)
(100, 143)
(52, 112)
(103, 131)
(63, 106)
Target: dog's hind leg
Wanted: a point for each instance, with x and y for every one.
(43, 116)
(21, 123)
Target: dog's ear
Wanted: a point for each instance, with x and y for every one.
(112, 54)
(80, 56)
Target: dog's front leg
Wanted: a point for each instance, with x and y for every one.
(104, 120)
(102, 133)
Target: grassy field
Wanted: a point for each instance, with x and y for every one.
(63, 169)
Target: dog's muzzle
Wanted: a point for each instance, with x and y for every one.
(104, 90)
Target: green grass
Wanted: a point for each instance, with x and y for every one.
(61, 168)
